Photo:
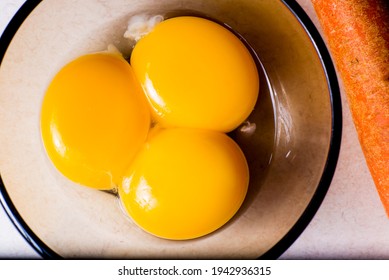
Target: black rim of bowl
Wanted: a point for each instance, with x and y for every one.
(279, 248)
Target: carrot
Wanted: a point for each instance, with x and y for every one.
(357, 33)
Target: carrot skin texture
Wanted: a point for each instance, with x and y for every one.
(357, 33)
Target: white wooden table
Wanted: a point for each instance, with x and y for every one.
(351, 222)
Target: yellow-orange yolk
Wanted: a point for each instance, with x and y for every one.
(196, 73)
(94, 119)
(185, 183)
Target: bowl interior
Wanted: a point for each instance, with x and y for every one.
(287, 153)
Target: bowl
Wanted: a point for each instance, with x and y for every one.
(292, 154)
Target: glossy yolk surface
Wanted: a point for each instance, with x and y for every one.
(185, 183)
(196, 73)
(94, 119)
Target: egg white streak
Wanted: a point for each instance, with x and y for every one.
(140, 25)
(112, 49)
(248, 128)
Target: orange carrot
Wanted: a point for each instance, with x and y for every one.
(357, 33)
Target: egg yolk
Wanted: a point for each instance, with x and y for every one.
(196, 73)
(94, 119)
(185, 183)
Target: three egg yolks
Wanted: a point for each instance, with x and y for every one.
(192, 80)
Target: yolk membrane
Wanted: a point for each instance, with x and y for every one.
(94, 119)
(185, 183)
(196, 73)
